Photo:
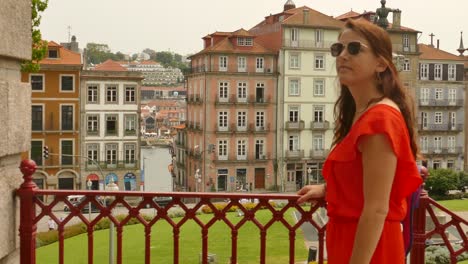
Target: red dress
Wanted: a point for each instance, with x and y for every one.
(343, 173)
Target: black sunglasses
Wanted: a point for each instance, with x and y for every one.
(353, 48)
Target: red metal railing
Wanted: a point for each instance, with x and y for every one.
(31, 203)
(33, 210)
(423, 236)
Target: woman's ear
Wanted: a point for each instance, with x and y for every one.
(381, 65)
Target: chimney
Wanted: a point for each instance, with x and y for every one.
(437, 44)
(396, 23)
(306, 16)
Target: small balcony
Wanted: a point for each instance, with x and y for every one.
(295, 154)
(441, 150)
(324, 125)
(441, 102)
(295, 125)
(440, 127)
(319, 153)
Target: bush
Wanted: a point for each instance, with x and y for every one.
(441, 255)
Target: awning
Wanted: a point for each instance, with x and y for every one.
(92, 177)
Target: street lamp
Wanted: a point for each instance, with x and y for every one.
(111, 186)
(89, 183)
(309, 174)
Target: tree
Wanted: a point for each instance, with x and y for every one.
(97, 53)
(151, 53)
(441, 181)
(39, 46)
(165, 58)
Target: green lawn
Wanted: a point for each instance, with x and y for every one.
(219, 240)
(455, 205)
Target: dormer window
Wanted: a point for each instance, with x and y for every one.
(53, 53)
(243, 41)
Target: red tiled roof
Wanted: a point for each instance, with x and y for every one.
(164, 88)
(430, 53)
(109, 65)
(346, 15)
(149, 62)
(315, 19)
(181, 126)
(65, 56)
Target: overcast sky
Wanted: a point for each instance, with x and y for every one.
(129, 26)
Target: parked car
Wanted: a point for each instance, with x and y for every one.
(161, 201)
(85, 209)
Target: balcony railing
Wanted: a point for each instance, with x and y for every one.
(441, 150)
(295, 125)
(440, 127)
(441, 102)
(295, 154)
(319, 153)
(307, 44)
(33, 212)
(319, 125)
(231, 68)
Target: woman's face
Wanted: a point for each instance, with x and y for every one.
(356, 64)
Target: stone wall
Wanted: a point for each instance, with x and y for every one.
(15, 118)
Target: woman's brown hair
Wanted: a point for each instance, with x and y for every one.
(388, 83)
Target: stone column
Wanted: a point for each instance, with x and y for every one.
(15, 118)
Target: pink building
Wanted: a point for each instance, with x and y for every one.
(229, 143)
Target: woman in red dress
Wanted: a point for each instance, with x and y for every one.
(371, 169)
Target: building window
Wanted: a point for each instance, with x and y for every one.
(130, 153)
(260, 119)
(425, 95)
(244, 41)
(451, 144)
(438, 72)
(223, 63)
(92, 151)
(260, 64)
(438, 118)
(36, 151)
(130, 94)
(293, 143)
(294, 61)
(111, 154)
(36, 117)
(452, 95)
(130, 124)
(294, 113)
(222, 149)
(111, 125)
(319, 113)
(52, 54)
(424, 144)
(319, 62)
(259, 146)
(67, 83)
(424, 71)
(223, 120)
(452, 72)
(294, 37)
(438, 94)
(92, 124)
(319, 38)
(319, 87)
(407, 65)
(436, 164)
(111, 94)
(67, 152)
(241, 119)
(241, 149)
(242, 91)
(241, 64)
(37, 82)
(67, 117)
(450, 164)
(406, 42)
(223, 91)
(93, 94)
(437, 143)
(318, 142)
(294, 89)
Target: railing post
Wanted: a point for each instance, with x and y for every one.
(419, 231)
(27, 228)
